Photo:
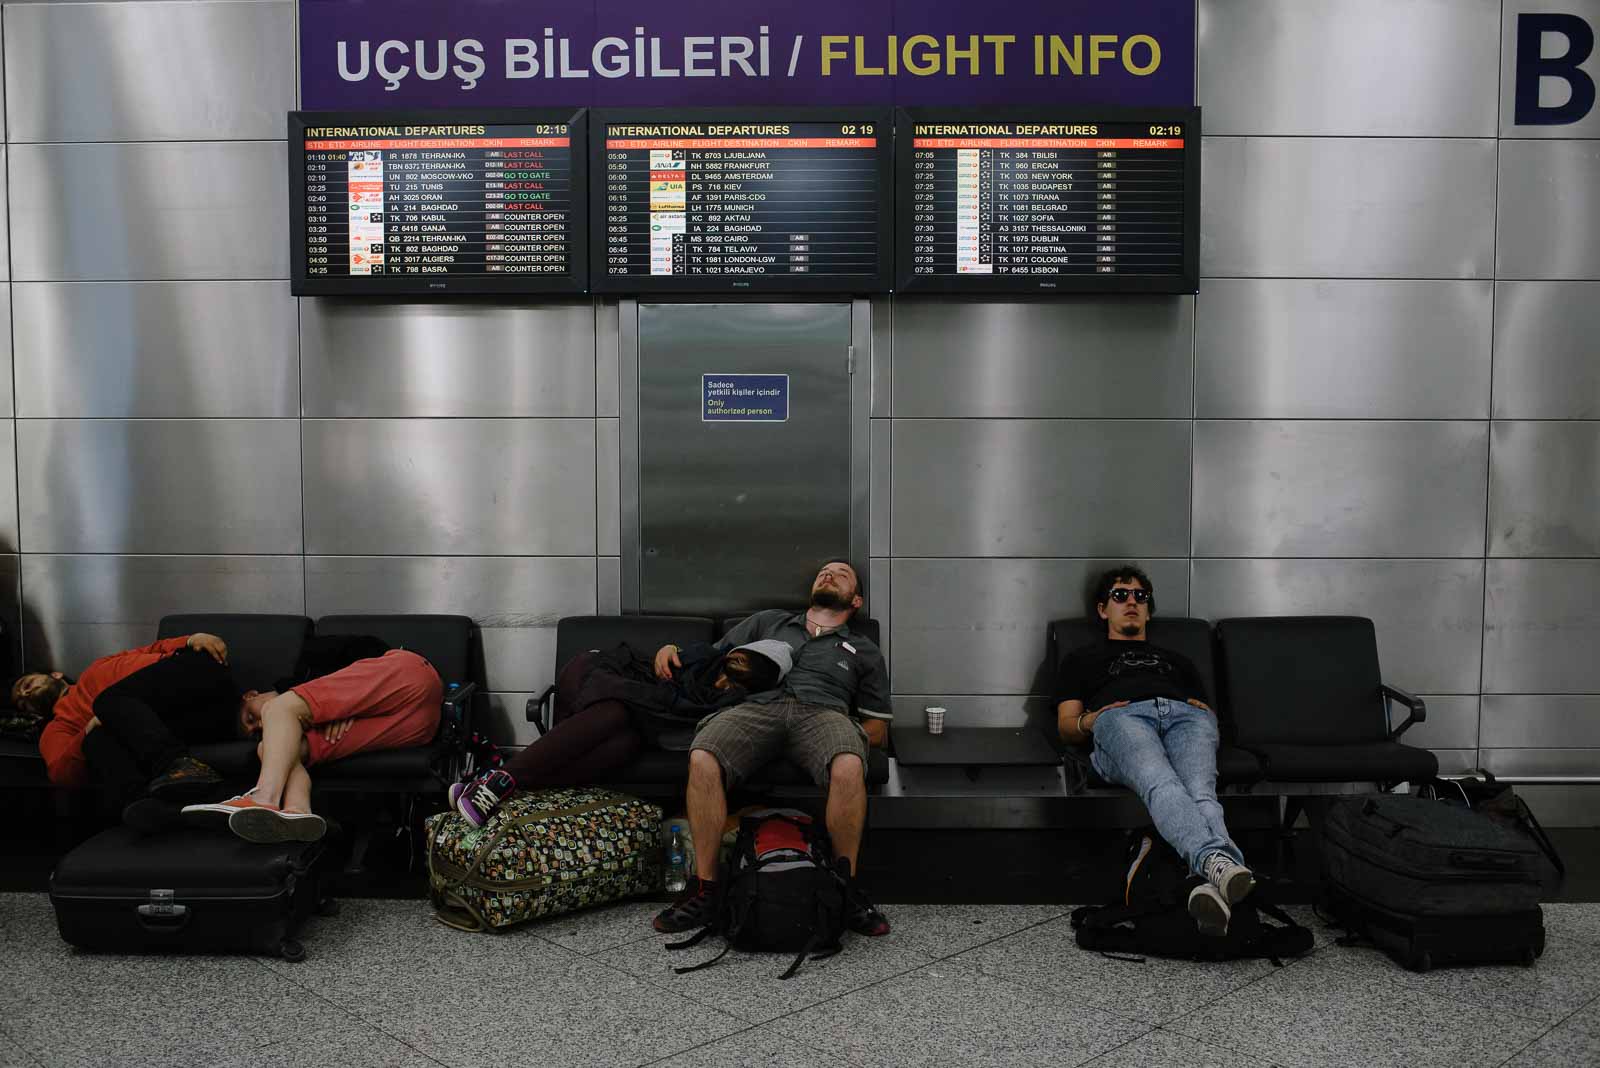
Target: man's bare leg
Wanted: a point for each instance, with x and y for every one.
(283, 729)
(297, 794)
(708, 811)
(847, 805)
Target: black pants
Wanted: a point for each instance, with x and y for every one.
(579, 750)
(149, 718)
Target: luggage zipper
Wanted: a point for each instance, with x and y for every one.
(1459, 877)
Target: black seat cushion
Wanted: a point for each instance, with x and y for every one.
(1302, 680)
(660, 767)
(238, 764)
(1362, 762)
(644, 634)
(445, 641)
(262, 648)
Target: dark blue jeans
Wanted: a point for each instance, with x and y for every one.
(1166, 752)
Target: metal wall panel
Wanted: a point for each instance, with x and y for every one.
(1422, 68)
(1552, 92)
(608, 486)
(155, 349)
(149, 72)
(1510, 763)
(1544, 350)
(11, 608)
(5, 230)
(1542, 627)
(1018, 487)
(159, 486)
(82, 607)
(969, 710)
(516, 602)
(1428, 613)
(883, 310)
(1312, 488)
(1347, 207)
(1544, 489)
(7, 407)
(382, 358)
(608, 586)
(1541, 721)
(880, 605)
(504, 718)
(9, 536)
(149, 211)
(607, 340)
(1457, 761)
(468, 487)
(882, 479)
(978, 626)
(1085, 357)
(1560, 806)
(1549, 210)
(1291, 348)
(1452, 722)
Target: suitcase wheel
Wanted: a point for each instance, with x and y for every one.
(327, 907)
(1528, 957)
(1421, 960)
(291, 951)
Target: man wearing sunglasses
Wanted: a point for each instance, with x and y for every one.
(1145, 710)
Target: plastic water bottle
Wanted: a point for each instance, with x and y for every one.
(677, 860)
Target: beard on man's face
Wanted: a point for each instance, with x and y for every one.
(1129, 627)
(831, 598)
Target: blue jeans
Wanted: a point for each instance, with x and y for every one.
(1166, 752)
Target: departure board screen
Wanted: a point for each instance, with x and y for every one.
(1102, 201)
(771, 200)
(436, 202)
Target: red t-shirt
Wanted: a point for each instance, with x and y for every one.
(61, 744)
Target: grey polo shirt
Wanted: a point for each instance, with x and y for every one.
(839, 668)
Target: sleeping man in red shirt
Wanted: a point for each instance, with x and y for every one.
(128, 718)
(383, 702)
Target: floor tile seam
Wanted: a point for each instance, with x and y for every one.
(1394, 982)
(1150, 1029)
(1208, 1044)
(998, 938)
(1541, 1036)
(708, 1042)
(23, 1046)
(662, 986)
(350, 1013)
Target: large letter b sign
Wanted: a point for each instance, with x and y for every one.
(1532, 66)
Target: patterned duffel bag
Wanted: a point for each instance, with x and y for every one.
(542, 854)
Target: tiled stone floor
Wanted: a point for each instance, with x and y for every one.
(384, 985)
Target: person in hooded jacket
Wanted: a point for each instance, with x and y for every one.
(611, 704)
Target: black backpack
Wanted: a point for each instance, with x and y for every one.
(1152, 919)
(779, 892)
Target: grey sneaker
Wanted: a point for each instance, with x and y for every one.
(1210, 912)
(1235, 881)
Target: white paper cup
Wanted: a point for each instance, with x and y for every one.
(935, 719)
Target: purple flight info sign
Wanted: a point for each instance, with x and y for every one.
(408, 54)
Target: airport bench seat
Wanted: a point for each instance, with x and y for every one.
(645, 634)
(1236, 766)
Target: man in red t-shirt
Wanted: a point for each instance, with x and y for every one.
(383, 702)
(129, 716)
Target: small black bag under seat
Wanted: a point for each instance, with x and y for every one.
(1152, 919)
(779, 892)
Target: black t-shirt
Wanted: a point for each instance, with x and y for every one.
(1111, 671)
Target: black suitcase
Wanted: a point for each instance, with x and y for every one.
(192, 891)
(1432, 884)
(1424, 942)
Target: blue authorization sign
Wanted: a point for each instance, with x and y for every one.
(744, 398)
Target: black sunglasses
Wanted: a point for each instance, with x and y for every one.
(1120, 595)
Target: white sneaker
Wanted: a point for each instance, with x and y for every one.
(1235, 881)
(1210, 912)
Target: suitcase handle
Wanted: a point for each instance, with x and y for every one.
(163, 919)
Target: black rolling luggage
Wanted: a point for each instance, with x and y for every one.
(1432, 884)
(192, 891)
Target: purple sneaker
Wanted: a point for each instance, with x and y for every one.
(478, 799)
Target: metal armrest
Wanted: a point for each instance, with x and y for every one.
(540, 710)
(1417, 707)
(455, 728)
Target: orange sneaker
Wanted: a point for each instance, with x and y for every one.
(256, 822)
